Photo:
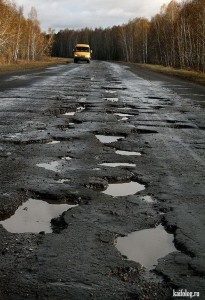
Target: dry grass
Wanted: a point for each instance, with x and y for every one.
(25, 65)
(185, 74)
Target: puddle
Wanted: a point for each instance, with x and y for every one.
(67, 158)
(146, 246)
(111, 99)
(128, 153)
(124, 119)
(96, 169)
(108, 138)
(123, 115)
(148, 199)
(52, 166)
(72, 113)
(63, 181)
(34, 216)
(80, 108)
(124, 189)
(53, 143)
(113, 165)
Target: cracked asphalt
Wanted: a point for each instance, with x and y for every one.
(49, 115)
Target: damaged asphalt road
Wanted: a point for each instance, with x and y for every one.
(51, 149)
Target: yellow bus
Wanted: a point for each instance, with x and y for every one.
(82, 52)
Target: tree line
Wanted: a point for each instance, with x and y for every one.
(21, 38)
(174, 37)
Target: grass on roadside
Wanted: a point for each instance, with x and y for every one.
(27, 65)
(198, 77)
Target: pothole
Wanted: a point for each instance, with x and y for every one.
(113, 165)
(111, 99)
(123, 115)
(72, 113)
(146, 246)
(124, 189)
(52, 166)
(128, 153)
(53, 143)
(63, 181)
(66, 158)
(108, 138)
(34, 216)
(80, 108)
(148, 199)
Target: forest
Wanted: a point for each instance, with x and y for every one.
(174, 37)
(21, 38)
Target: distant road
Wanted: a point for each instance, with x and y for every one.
(52, 123)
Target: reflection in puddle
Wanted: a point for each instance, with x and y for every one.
(53, 142)
(117, 165)
(124, 189)
(128, 153)
(108, 138)
(69, 113)
(52, 166)
(34, 216)
(124, 119)
(146, 246)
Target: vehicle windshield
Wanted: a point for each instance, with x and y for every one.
(82, 49)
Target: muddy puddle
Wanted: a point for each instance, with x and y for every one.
(34, 216)
(113, 165)
(123, 189)
(109, 138)
(146, 246)
(128, 153)
(52, 166)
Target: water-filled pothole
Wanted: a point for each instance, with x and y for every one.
(128, 153)
(72, 113)
(123, 115)
(34, 216)
(113, 165)
(148, 199)
(63, 181)
(52, 166)
(146, 246)
(124, 189)
(111, 99)
(108, 138)
(80, 108)
(53, 143)
(66, 158)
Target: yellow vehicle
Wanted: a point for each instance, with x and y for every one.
(82, 52)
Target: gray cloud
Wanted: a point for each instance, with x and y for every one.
(90, 13)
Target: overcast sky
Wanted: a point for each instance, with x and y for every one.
(77, 14)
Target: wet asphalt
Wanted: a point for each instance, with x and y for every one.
(50, 120)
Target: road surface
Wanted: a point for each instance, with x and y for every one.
(61, 132)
